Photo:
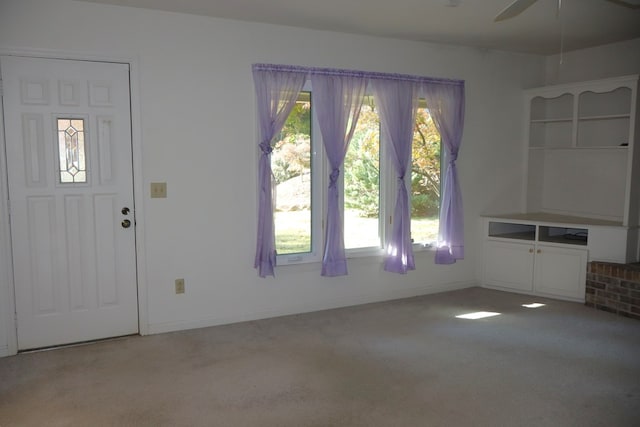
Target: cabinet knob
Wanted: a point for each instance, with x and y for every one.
(539, 251)
(531, 250)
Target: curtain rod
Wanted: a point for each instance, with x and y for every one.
(355, 73)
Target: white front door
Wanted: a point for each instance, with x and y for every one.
(69, 163)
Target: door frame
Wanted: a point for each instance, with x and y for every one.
(7, 282)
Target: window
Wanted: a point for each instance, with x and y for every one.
(369, 194)
(71, 150)
(362, 183)
(425, 179)
(294, 167)
(339, 97)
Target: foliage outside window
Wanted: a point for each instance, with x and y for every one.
(425, 179)
(291, 167)
(362, 182)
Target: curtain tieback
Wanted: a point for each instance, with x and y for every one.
(266, 147)
(333, 178)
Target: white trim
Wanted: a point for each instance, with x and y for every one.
(318, 196)
(329, 304)
(6, 280)
(138, 195)
(7, 297)
(72, 55)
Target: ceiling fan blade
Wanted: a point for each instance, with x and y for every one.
(514, 9)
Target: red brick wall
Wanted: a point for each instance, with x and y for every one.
(614, 288)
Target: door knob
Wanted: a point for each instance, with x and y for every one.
(126, 223)
(125, 211)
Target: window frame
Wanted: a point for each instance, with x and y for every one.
(319, 181)
(58, 182)
(318, 196)
(384, 230)
(431, 245)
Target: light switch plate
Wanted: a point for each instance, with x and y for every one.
(179, 286)
(158, 190)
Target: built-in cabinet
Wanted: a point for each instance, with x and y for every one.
(579, 151)
(581, 192)
(541, 258)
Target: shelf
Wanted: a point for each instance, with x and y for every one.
(559, 108)
(545, 218)
(560, 120)
(507, 230)
(555, 233)
(604, 117)
(593, 103)
(563, 235)
(597, 131)
(599, 147)
(528, 236)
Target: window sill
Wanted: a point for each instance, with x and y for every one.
(300, 259)
(424, 247)
(364, 252)
(296, 259)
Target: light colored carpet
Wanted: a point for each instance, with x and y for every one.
(401, 363)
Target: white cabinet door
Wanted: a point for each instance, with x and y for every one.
(68, 143)
(509, 265)
(560, 272)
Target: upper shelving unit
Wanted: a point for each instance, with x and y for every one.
(616, 102)
(551, 121)
(586, 115)
(603, 118)
(580, 150)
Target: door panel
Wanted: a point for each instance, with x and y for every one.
(561, 271)
(508, 265)
(69, 162)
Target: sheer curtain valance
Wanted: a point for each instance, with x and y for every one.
(338, 97)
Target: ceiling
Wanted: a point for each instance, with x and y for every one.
(537, 30)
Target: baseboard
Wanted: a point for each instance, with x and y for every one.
(157, 328)
(533, 293)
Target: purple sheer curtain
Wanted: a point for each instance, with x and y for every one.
(446, 105)
(276, 94)
(338, 100)
(397, 103)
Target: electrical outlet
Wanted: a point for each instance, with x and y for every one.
(158, 190)
(179, 286)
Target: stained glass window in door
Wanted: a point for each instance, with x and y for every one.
(71, 150)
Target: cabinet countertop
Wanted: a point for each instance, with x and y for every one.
(539, 217)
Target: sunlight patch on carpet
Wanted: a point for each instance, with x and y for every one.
(534, 305)
(478, 315)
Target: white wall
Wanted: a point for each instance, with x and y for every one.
(612, 60)
(198, 134)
